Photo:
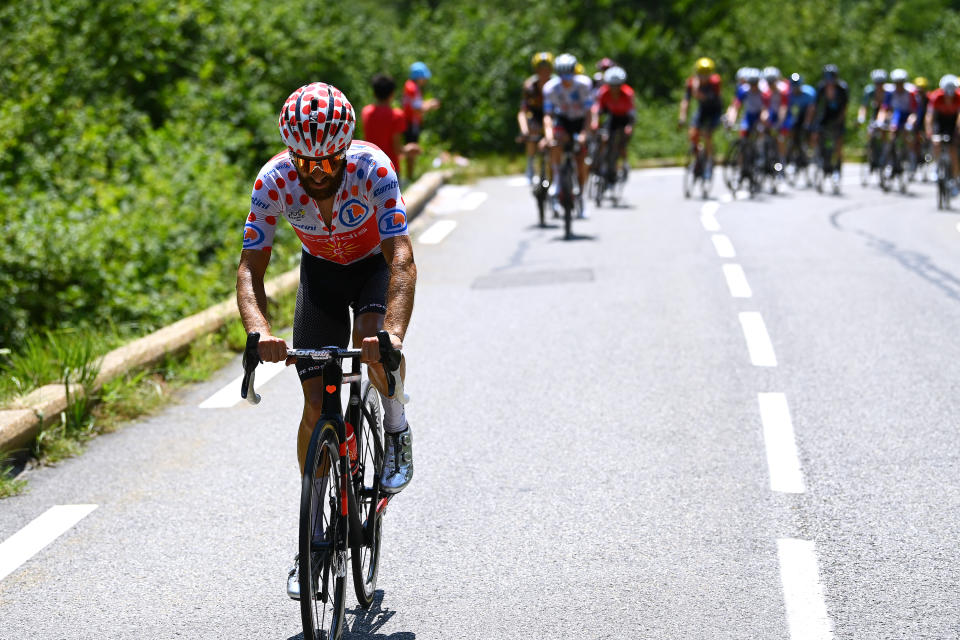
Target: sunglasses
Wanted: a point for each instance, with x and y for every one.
(327, 164)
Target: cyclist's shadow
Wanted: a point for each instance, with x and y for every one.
(366, 623)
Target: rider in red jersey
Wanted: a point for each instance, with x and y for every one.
(616, 99)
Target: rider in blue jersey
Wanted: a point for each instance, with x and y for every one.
(801, 100)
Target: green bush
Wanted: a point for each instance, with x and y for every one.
(130, 132)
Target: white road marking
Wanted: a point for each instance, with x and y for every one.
(778, 436)
(43, 530)
(473, 200)
(707, 216)
(802, 590)
(725, 198)
(518, 181)
(743, 194)
(737, 281)
(758, 340)
(447, 199)
(723, 246)
(437, 232)
(958, 226)
(229, 395)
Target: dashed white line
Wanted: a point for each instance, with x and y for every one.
(737, 281)
(43, 530)
(802, 590)
(723, 246)
(958, 226)
(778, 437)
(437, 232)
(472, 200)
(229, 395)
(758, 340)
(708, 216)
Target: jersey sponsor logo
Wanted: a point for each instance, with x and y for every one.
(393, 221)
(352, 213)
(252, 236)
(393, 184)
(304, 227)
(296, 216)
(260, 203)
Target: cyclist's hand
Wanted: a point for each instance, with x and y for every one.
(370, 348)
(273, 349)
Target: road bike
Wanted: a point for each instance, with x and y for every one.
(739, 167)
(341, 503)
(944, 172)
(873, 162)
(895, 162)
(568, 190)
(699, 171)
(798, 161)
(606, 179)
(827, 165)
(540, 186)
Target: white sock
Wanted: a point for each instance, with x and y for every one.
(394, 417)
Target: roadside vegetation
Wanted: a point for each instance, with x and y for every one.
(130, 132)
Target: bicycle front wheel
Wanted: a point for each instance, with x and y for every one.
(323, 539)
(365, 557)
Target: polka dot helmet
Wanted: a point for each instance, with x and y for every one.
(317, 120)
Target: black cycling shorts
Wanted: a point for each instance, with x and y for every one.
(945, 124)
(573, 126)
(327, 290)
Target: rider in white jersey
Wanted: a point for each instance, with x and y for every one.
(566, 105)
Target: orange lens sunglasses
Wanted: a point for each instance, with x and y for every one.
(328, 164)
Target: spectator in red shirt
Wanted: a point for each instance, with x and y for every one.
(383, 124)
(414, 106)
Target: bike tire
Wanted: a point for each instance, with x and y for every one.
(542, 209)
(689, 176)
(365, 557)
(318, 494)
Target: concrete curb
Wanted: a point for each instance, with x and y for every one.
(26, 416)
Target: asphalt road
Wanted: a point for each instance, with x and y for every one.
(606, 444)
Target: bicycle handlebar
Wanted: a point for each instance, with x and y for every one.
(389, 356)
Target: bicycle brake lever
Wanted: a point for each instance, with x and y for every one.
(251, 358)
(390, 358)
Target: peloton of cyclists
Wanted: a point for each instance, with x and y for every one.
(704, 87)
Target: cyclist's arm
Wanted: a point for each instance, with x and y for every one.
(252, 303)
(398, 252)
(928, 120)
(522, 121)
(548, 127)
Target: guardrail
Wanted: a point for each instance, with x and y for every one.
(29, 414)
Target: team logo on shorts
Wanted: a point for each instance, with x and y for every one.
(393, 221)
(352, 213)
(252, 237)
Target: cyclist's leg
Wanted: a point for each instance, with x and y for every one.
(321, 319)
(369, 304)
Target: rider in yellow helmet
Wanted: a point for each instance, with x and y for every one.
(704, 87)
(530, 116)
(923, 87)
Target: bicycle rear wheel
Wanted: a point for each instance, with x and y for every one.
(365, 557)
(322, 539)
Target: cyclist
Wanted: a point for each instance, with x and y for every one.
(941, 119)
(778, 95)
(919, 131)
(831, 112)
(799, 104)
(566, 103)
(343, 200)
(615, 98)
(704, 87)
(873, 96)
(899, 104)
(530, 116)
(752, 99)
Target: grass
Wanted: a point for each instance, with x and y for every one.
(134, 395)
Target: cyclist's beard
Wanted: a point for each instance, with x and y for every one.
(326, 187)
